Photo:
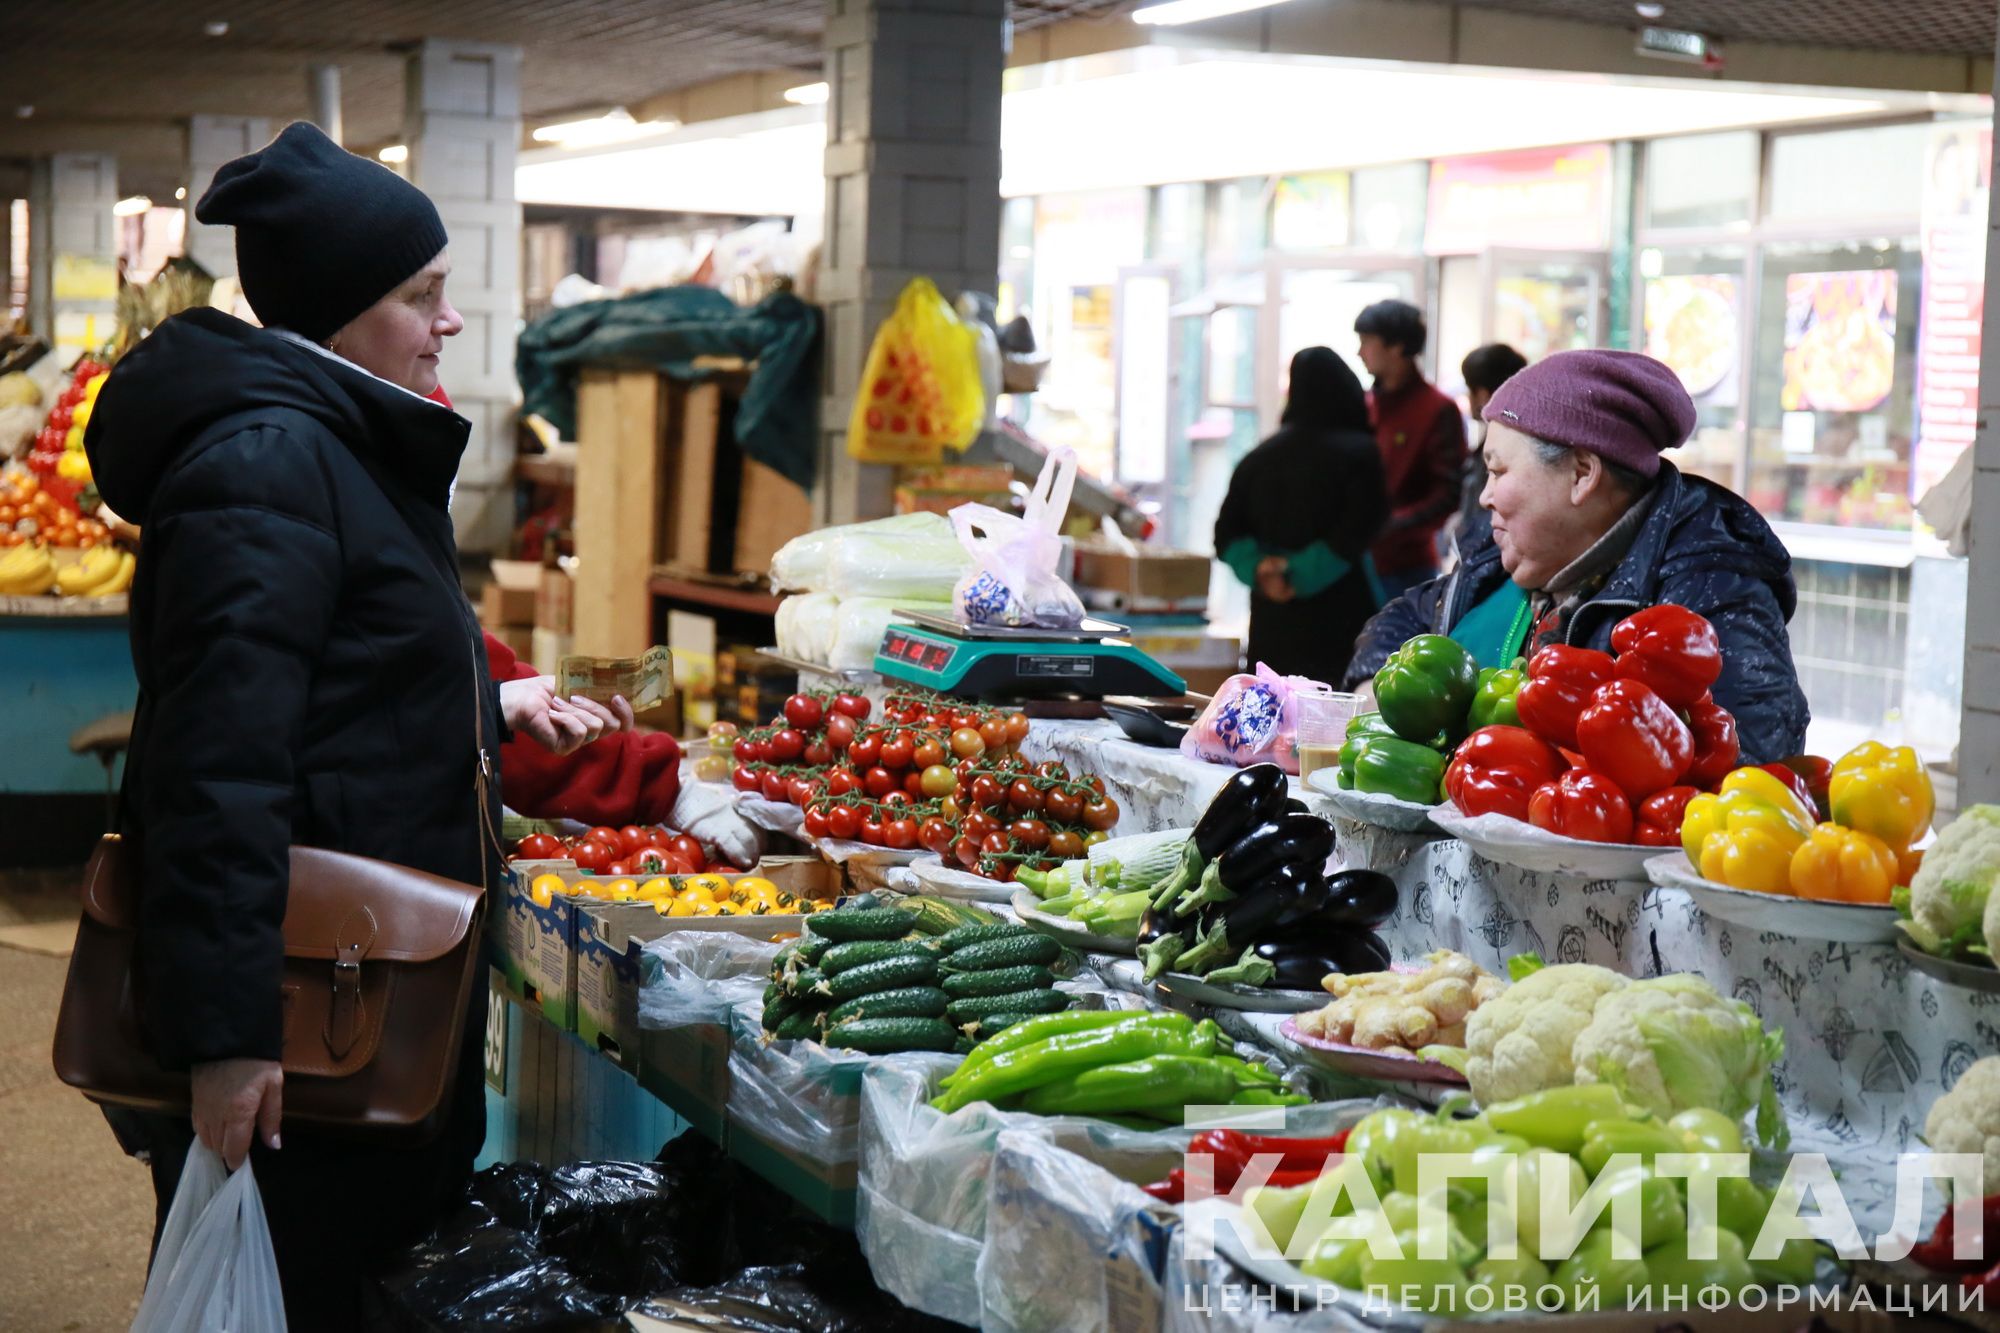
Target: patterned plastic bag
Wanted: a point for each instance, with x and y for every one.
(1013, 580)
(920, 389)
(1251, 720)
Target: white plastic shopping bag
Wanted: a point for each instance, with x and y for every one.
(1014, 580)
(215, 1272)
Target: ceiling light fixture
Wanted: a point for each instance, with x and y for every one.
(216, 27)
(808, 94)
(613, 126)
(180, 192)
(23, 111)
(1175, 12)
(1650, 9)
(394, 153)
(131, 206)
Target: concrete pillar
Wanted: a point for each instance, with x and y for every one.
(1979, 716)
(323, 99)
(212, 141)
(463, 125)
(912, 189)
(73, 250)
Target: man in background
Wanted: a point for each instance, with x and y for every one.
(1484, 369)
(1422, 442)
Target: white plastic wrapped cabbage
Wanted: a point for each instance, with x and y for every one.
(805, 625)
(908, 556)
(862, 620)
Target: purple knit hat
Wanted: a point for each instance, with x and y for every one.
(1622, 406)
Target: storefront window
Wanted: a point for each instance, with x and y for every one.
(1835, 361)
(1692, 309)
(1847, 173)
(1701, 180)
(1237, 232)
(1082, 241)
(1389, 207)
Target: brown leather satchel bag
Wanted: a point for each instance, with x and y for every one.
(380, 961)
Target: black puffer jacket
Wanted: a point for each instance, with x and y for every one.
(309, 669)
(1703, 547)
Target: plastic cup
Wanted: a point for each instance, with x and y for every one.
(1323, 720)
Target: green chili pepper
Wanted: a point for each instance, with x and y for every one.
(1661, 1212)
(1493, 702)
(1045, 1061)
(1048, 1025)
(1157, 1082)
(1557, 1117)
(1267, 1097)
(1393, 767)
(1426, 687)
(1616, 1282)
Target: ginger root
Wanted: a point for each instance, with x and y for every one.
(1403, 1010)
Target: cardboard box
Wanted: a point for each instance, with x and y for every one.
(519, 639)
(1142, 580)
(509, 600)
(537, 945)
(550, 649)
(939, 490)
(688, 1069)
(771, 509)
(555, 600)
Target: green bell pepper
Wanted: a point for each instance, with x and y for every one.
(1661, 1213)
(1337, 1260)
(1523, 1272)
(1392, 767)
(1426, 687)
(1708, 1131)
(1373, 1142)
(1558, 1117)
(1617, 1282)
(1424, 1137)
(1605, 1139)
(1678, 1278)
(1493, 701)
(1436, 1284)
(1796, 1265)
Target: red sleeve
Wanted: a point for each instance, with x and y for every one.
(624, 779)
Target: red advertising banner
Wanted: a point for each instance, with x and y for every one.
(1957, 177)
(1537, 198)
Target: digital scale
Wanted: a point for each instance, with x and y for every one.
(995, 662)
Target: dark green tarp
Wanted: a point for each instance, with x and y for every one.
(777, 421)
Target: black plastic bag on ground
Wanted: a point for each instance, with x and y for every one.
(478, 1272)
(830, 1294)
(636, 1227)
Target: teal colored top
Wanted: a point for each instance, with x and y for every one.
(1495, 630)
(1311, 571)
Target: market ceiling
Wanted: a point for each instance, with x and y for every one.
(123, 75)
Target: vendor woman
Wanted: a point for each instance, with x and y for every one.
(1590, 524)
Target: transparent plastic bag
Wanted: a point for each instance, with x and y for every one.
(805, 625)
(906, 555)
(1253, 719)
(858, 630)
(920, 389)
(214, 1271)
(697, 977)
(1014, 580)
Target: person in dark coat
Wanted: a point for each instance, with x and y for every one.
(1422, 442)
(1302, 508)
(1590, 524)
(310, 672)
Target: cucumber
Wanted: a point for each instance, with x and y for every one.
(782, 963)
(882, 1036)
(873, 923)
(997, 981)
(772, 992)
(855, 953)
(888, 974)
(783, 1007)
(1015, 951)
(963, 1046)
(803, 981)
(903, 1002)
(803, 1023)
(994, 1024)
(1014, 1002)
(939, 916)
(809, 950)
(969, 935)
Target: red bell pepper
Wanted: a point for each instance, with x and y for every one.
(1301, 1160)
(1670, 649)
(1560, 681)
(1582, 804)
(1795, 783)
(1715, 747)
(1630, 735)
(1818, 775)
(1657, 823)
(1496, 769)
(1935, 1253)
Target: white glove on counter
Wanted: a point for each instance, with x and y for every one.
(708, 814)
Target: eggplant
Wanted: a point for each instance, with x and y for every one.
(1250, 797)
(1362, 899)
(1301, 960)
(1287, 840)
(1163, 938)
(1290, 894)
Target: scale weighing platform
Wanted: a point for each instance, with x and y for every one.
(995, 662)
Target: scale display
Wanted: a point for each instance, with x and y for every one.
(1021, 666)
(913, 651)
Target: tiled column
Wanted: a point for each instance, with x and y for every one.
(1979, 718)
(73, 249)
(212, 141)
(463, 125)
(912, 189)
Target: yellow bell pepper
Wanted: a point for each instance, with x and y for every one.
(1882, 791)
(1751, 857)
(1749, 798)
(1843, 865)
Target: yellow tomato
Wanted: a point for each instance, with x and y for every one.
(731, 909)
(674, 907)
(757, 886)
(589, 888)
(656, 888)
(623, 891)
(697, 893)
(717, 886)
(543, 889)
(704, 908)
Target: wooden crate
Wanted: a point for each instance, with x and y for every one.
(660, 480)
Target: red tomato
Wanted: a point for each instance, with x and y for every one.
(898, 751)
(935, 835)
(987, 793)
(592, 855)
(619, 870)
(1065, 846)
(896, 798)
(865, 751)
(853, 705)
(843, 821)
(688, 849)
(1032, 834)
(745, 779)
(818, 825)
(1017, 728)
(632, 837)
(608, 836)
(1062, 805)
(802, 789)
(928, 753)
(539, 847)
(803, 711)
(787, 746)
(913, 782)
(1023, 799)
(1100, 814)
(776, 786)
(839, 731)
(680, 865)
(966, 852)
(650, 861)
(818, 753)
(873, 831)
(746, 751)
(997, 842)
(840, 781)
(993, 732)
(879, 782)
(900, 834)
(1052, 768)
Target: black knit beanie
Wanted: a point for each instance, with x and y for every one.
(321, 234)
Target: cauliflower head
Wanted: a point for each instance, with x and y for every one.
(1967, 1119)
(1951, 889)
(1672, 1043)
(1520, 1041)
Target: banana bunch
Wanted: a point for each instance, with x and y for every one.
(26, 571)
(102, 571)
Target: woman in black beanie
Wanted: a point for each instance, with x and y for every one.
(309, 670)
